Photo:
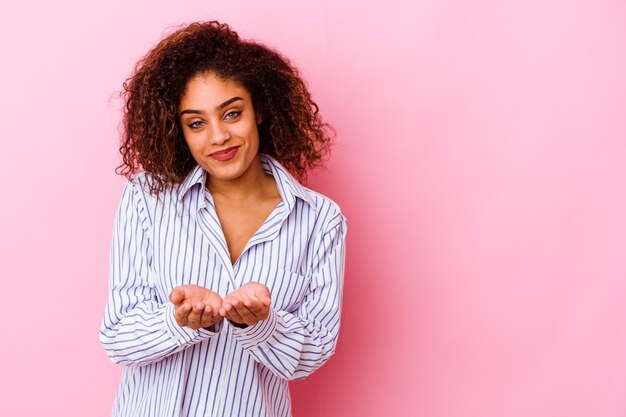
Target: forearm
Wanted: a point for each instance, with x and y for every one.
(290, 346)
(139, 326)
(293, 345)
(146, 334)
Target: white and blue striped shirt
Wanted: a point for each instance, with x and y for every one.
(176, 239)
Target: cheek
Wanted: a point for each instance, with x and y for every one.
(193, 143)
(252, 134)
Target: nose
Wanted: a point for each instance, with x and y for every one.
(219, 134)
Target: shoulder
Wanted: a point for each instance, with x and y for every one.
(141, 185)
(139, 198)
(327, 211)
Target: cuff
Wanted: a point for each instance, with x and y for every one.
(212, 330)
(257, 334)
(184, 335)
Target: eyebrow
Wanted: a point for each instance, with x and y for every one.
(220, 107)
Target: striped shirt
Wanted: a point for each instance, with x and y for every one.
(176, 239)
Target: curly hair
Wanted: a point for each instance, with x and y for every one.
(292, 130)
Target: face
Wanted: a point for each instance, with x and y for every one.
(220, 126)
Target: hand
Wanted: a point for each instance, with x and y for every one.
(247, 305)
(196, 306)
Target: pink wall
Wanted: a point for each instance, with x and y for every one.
(481, 161)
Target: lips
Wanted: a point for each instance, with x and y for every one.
(225, 154)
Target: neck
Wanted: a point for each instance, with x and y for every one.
(249, 185)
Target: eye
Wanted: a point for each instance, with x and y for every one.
(232, 114)
(196, 125)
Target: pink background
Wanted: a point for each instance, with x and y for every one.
(481, 162)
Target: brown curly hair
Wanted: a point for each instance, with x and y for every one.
(292, 130)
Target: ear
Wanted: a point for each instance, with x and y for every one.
(259, 118)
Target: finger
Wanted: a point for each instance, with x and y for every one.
(266, 300)
(261, 312)
(215, 311)
(248, 307)
(264, 296)
(261, 290)
(237, 303)
(240, 306)
(229, 303)
(215, 302)
(240, 309)
(235, 296)
(257, 308)
(225, 308)
(229, 310)
(177, 295)
(195, 316)
(217, 317)
(208, 317)
(247, 315)
(249, 299)
(233, 315)
(181, 313)
(193, 320)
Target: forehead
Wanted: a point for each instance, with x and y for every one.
(207, 90)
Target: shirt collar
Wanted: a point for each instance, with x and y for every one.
(196, 176)
(288, 187)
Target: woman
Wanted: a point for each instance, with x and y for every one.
(226, 273)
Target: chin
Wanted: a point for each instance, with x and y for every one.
(226, 173)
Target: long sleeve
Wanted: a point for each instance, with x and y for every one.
(293, 345)
(138, 327)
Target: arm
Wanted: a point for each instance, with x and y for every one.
(294, 345)
(138, 327)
